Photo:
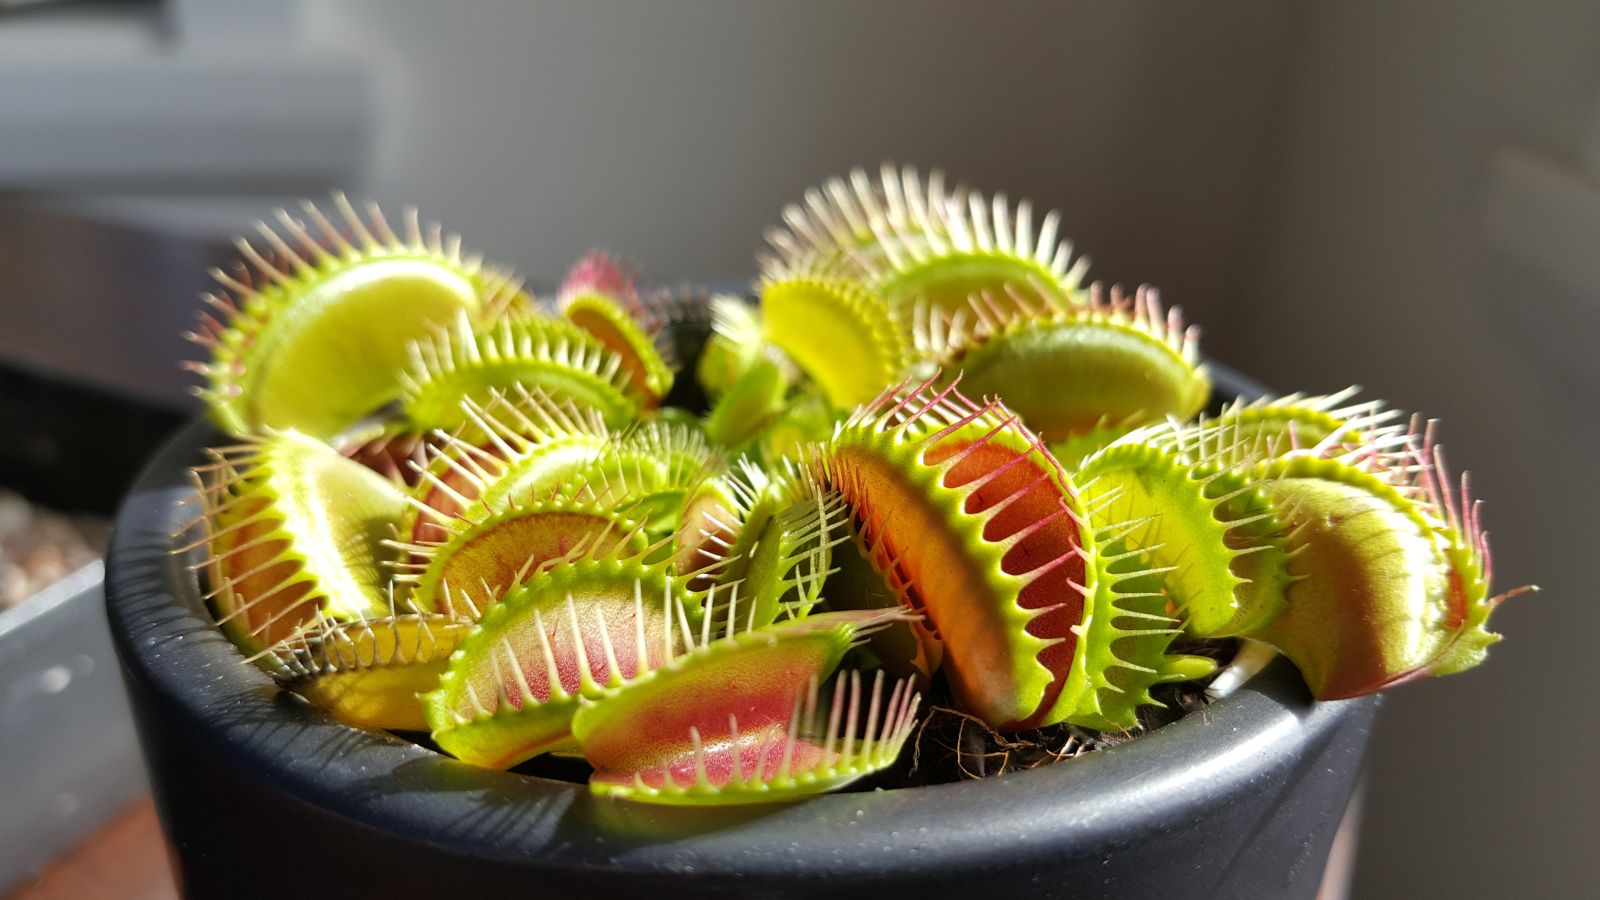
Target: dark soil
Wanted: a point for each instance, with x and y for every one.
(953, 745)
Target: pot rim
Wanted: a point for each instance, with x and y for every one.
(173, 654)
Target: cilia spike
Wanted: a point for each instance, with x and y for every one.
(1252, 433)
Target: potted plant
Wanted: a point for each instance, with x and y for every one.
(506, 562)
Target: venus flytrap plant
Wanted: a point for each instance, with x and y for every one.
(294, 533)
(837, 330)
(735, 344)
(1208, 522)
(1387, 568)
(1077, 371)
(464, 361)
(1391, 566)
(867, 290)
(791, 557)
(599, 297)
(596, 620)
(719, 515)
(747, 406)
(494, 524)
(980, 530)
(489, 551)
(719, 545)
(663, 738)
(520, 444)
(982, 247)
(533, 500)
(845, 221)
(370, 673)
(315, 333)
(651, 469)
(771, 537)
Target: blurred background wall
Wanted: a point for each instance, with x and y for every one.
(674, 132)
(1398, 194)
(1430, 231)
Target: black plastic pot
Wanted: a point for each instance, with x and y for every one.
(263, 795)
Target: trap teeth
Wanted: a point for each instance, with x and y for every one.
(1391, 571)
(511, 689)
(466, 361)
(850, 220)
(370, 673)
(979, 247)
(1068, 367)
(738, 719)
(599, 297)
(279, 332)
(294, 533)
(963, 511)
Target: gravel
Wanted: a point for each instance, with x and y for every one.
(40, 546)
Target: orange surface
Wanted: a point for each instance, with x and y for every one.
(125, 860)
